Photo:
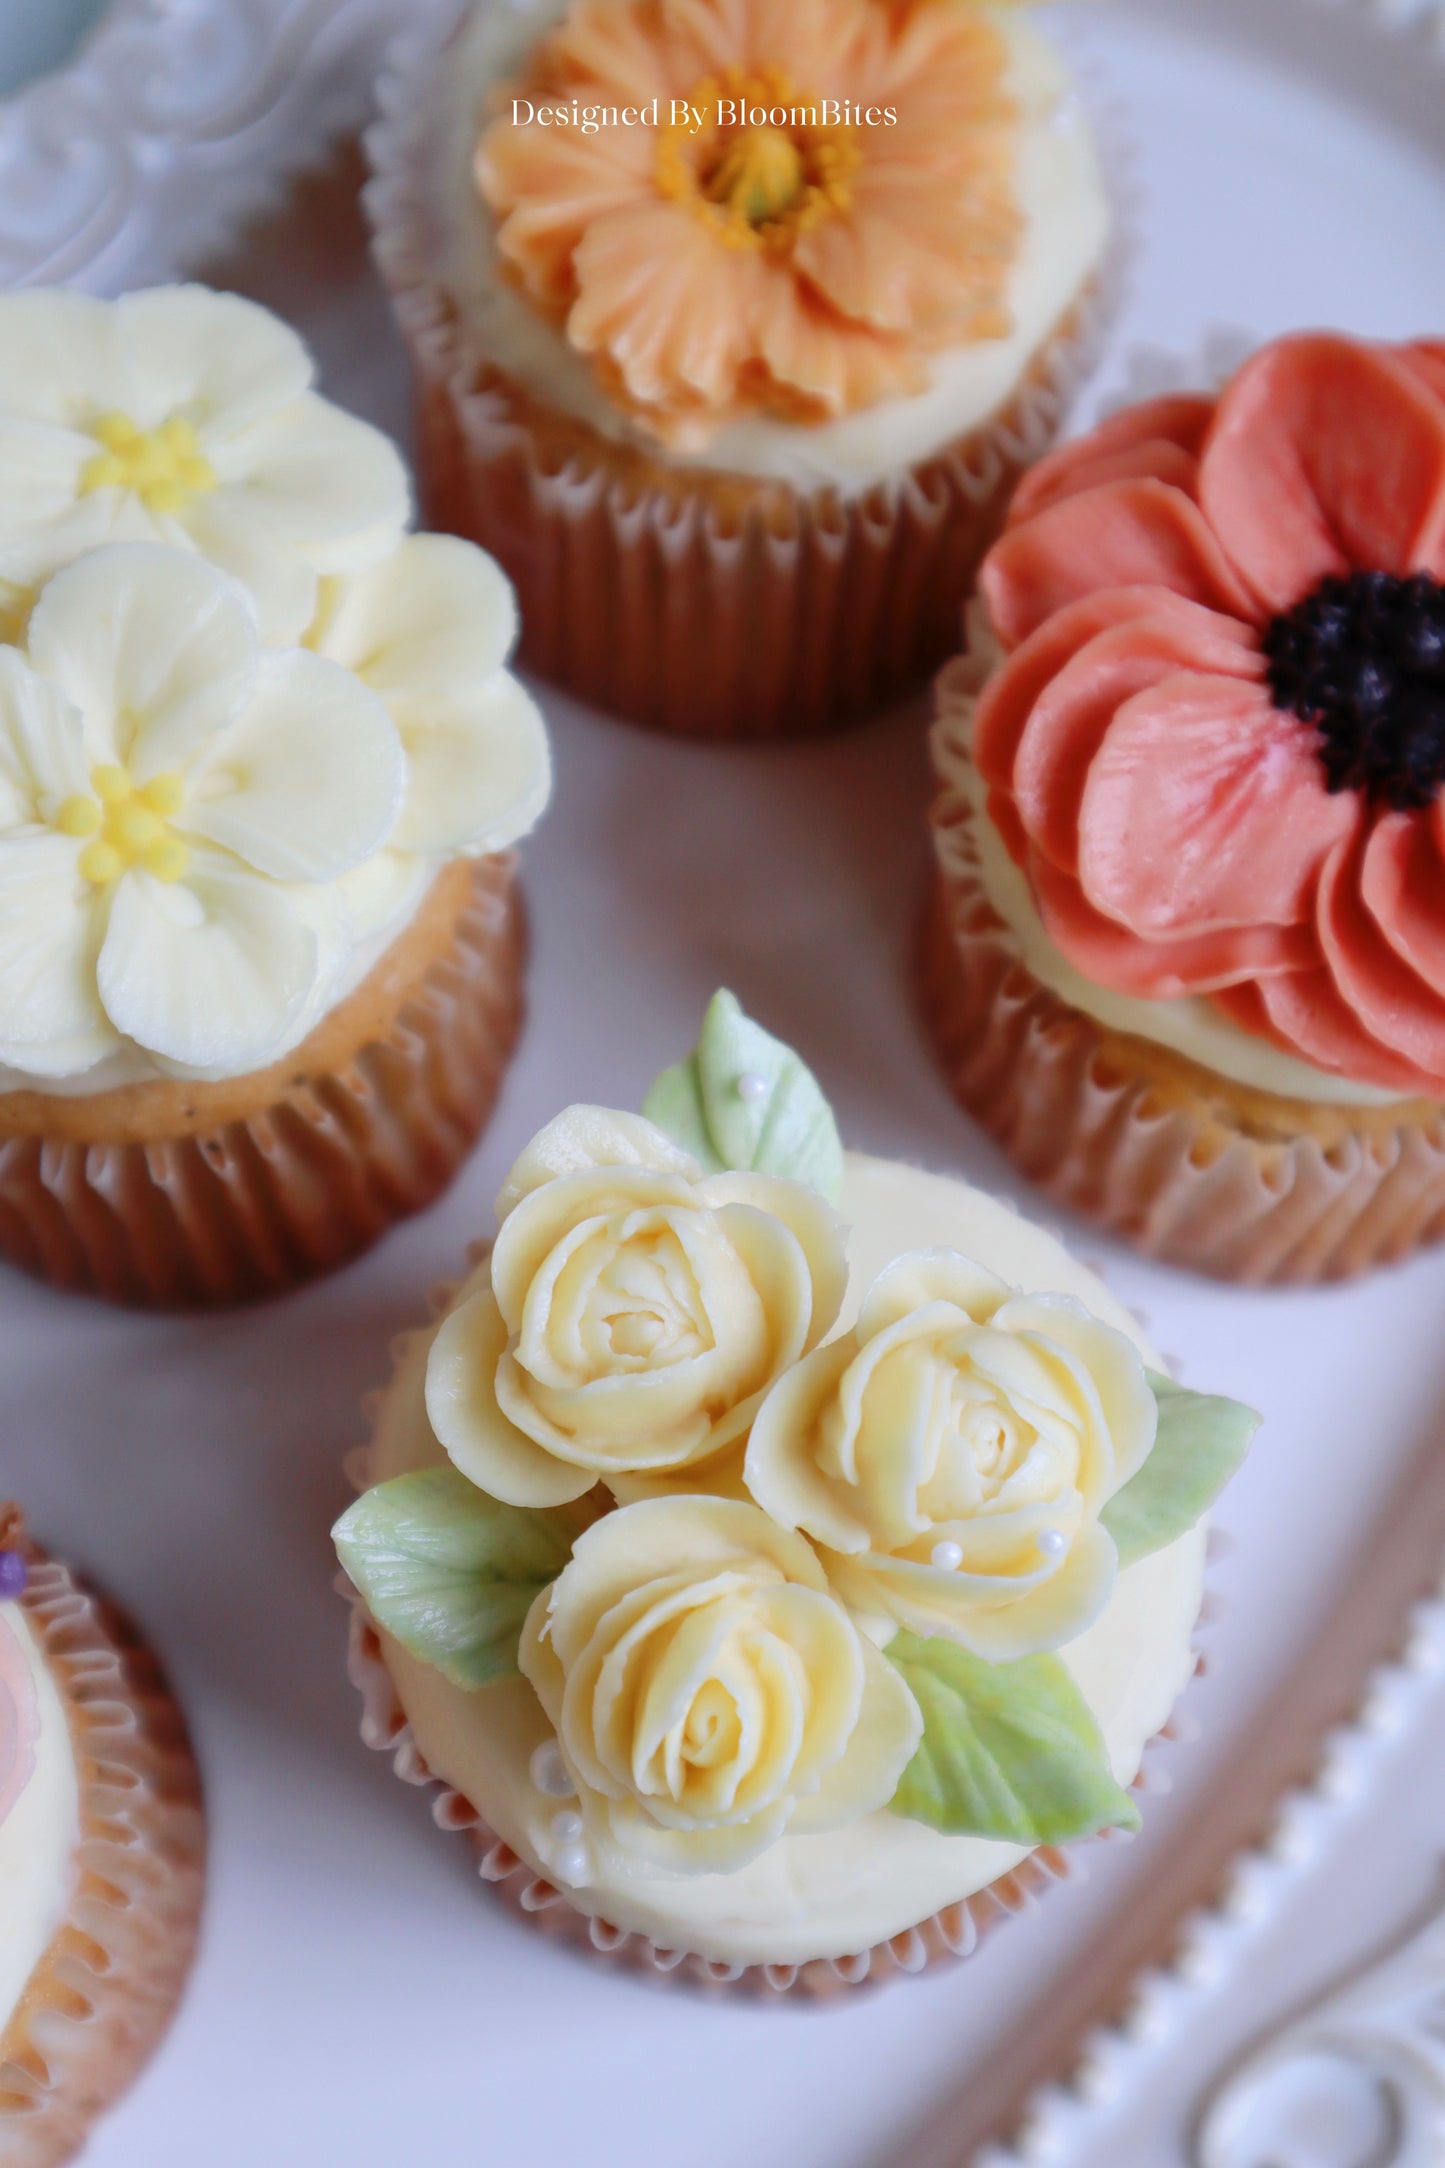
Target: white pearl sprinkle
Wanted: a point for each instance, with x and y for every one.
(567, 1826)
(752, 1087)
(571, 1864)
(1052, 1542)
(947, 1555)
(549, 1772)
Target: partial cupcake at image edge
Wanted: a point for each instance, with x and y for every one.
(779, 1557)
(1186, 954)
(102, 1848)
(262, 766)
(737, 382)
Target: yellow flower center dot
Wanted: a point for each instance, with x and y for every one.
(768, 166)
(164, 467)
(760, 176)
(127, 826)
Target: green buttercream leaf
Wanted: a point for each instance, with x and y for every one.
(1201, 1441)
(1008, 1750)
(448, 1572)
(781, 1125)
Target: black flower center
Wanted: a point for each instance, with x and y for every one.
(1362, 659)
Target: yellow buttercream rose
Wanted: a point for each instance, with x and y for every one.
(952, 1454)
(634, 1313)
(708, 1690)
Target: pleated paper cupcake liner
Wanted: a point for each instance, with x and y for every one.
(1188, 1166)
(711, 604)
(106, 1989)
(947, 1936)
(342, 1145)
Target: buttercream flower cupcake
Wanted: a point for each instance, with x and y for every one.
(777, 1555)
(260, 956)
(102, 1845)
(734, 326)
(1186, 958)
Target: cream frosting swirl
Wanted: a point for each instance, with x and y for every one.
(952, 1452)
(635, 1314)
(708, 1691)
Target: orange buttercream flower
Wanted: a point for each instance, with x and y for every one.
(784, 209)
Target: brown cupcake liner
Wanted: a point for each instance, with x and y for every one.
(948, 1936)
(171, 1196)
(711, 604)
(1185, 1164)
(103, 1994)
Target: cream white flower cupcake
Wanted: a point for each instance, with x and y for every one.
(777, 1555)
(102, 1845)
(260, 953)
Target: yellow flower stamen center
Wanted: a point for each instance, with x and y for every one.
(164, 467)
(766, 168)
(760, 176)
(126, 825)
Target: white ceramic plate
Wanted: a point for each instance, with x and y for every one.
(358, 2000)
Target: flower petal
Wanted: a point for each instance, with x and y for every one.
(156, 648)
(1206, 808)
(1120, 534)
(1112, 956)
(44, 520)
(320, 479)
(222, 971)
(881, 1745)
(231, 532)
(672, 309)
(1159, 439)
(461, 1403)
(479, 772)
(1074, 714)
(437, 619)
(1391, 1003)
(1402, 885)
(548, 186)
(583, 1138)
(308, 780)
(925, 1276)
(60, 357)
(1325, 455)
(900, 262)
(42, 745)
(1009, 697)
(51, 923)
(214, 358)
(1304, 1013)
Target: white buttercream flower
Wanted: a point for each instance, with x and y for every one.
(708, 1692)
(634, 1314)
(951, 1456)
(430, 629)
(172, 797)
(186, 417)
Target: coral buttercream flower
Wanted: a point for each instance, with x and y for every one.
(635, 1312)
(1218, 742)
(176, 805)
(951, 1456)
(826, 199)
(185, 417)
(708, 1691)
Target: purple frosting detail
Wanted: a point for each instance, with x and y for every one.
(14, 1575)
